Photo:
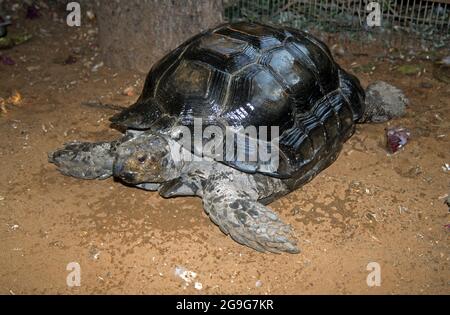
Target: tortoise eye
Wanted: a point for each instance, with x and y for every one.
(142, 158)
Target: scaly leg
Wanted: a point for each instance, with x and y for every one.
(238, 213)
(383, 102)
(85, 160)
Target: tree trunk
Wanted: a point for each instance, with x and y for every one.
(134, 34)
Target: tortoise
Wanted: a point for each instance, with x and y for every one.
(231, 78)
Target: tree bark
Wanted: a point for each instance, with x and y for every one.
(134, 34)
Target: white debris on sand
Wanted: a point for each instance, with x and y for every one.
(186, 275)
(97, 66)
(198, 285)
(129, 91)
(402, 209)
(90, 15)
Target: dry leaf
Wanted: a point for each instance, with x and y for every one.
(15, 98)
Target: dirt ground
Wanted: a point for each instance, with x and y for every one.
(368, 206)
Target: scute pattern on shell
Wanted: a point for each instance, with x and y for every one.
(245, 74)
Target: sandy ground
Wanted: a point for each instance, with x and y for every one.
(368, 206)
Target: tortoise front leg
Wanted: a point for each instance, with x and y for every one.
(85, 160)
(238, 213)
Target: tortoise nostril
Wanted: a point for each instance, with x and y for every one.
(128, 176)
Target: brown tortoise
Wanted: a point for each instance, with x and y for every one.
(233, 77)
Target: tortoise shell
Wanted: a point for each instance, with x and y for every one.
(250, 74)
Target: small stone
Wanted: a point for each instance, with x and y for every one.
(94, 252)
(402, 209)
(70, 60)
(258, 284)
(198, 285)
(425, 85)
(338, 50)
(97, 66)
(33, 68)
(447, 202)
(129, 91)
(90, 15)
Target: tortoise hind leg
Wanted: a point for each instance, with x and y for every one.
(248, 222)
(85, 160)
(383, 102)
(380, 102)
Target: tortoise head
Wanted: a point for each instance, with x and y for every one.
(144, 158)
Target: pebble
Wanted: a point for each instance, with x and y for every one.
(33, 68)
(198, 285)
(426, 85)
(187, 276)
(129, 91)
(90, 15)
(97, 66)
